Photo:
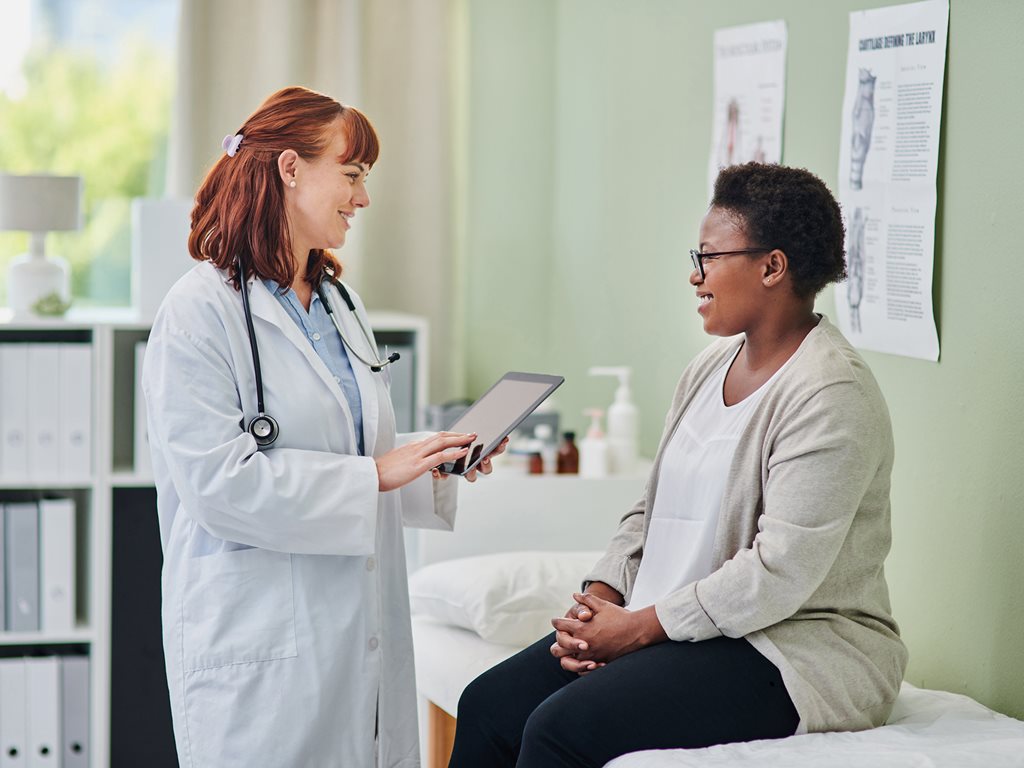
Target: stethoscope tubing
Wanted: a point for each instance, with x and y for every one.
(263, 427)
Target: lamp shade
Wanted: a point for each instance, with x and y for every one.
(40, 203)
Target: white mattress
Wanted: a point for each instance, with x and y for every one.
(449, 658)
(927, 729)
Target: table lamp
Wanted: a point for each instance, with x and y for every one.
(38, 204)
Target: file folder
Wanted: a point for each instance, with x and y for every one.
(14, 410)
(74, 673)
(75, 410)
(43, 680)
(57, 564)
(13, 714)
(3, 576)
(43, 405)
(21, 558)
(142, 461)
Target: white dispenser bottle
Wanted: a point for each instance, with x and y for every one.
(594, 447)
(622, 422)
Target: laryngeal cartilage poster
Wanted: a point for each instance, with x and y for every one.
(749, 95)
(888, 154)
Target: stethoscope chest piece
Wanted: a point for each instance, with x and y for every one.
(264, 430)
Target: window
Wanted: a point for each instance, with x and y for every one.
(85, 89)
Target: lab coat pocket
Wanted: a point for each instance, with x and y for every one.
(237, 607)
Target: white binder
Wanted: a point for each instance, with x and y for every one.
(21, 559)
(74, 673)
(43, 414)
(75, 410)
(13, 714)
(142, 462)
(57, 564)
(3, 577)
(43, 677)
(14, 410)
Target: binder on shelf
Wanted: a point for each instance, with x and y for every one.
(21, 558)
(74, 684)
(75, 410)
(14, 410)
(57, 565)
(43, 410)
(3, 578)
(13, 714)
(43, 680)
(142, 463)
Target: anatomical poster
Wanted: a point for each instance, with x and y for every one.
(888, 153)
(749, 97)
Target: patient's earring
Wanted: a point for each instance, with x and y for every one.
(292, 183)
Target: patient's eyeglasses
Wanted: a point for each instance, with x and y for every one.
(699, 258)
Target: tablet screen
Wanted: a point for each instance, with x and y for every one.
(498, 412)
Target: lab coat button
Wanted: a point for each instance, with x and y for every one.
(373, 643)
(338, 379)
(371, 563)
(316, 337)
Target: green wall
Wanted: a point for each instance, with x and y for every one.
(588, 130)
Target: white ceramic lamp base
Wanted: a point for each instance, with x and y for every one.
(30, 278)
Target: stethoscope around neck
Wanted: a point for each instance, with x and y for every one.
(263, 427)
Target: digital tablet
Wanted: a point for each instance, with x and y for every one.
(500, 410)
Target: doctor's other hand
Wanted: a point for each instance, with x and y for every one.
(484, 467)
(402, 465)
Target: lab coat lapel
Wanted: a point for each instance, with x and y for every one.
(365, 378)
(265, 306)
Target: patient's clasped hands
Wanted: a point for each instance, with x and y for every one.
(597, 630)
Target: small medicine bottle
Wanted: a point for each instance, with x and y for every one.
(536, 464)
(568, 461)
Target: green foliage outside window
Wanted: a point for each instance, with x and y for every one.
(107, 124)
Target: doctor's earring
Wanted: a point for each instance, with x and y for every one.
(292, 183)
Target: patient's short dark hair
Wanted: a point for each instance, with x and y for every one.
(790, 209)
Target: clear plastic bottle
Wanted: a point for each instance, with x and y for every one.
(622, 422)
(548, 449)
(594, 447)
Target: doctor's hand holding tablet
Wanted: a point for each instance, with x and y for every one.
(282, 486)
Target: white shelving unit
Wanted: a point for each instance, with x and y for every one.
(113, 336)
(92, 496)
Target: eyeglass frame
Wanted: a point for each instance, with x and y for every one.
(698, 258)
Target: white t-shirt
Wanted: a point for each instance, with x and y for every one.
(691, 483)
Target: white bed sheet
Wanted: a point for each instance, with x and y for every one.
(450, 658)
(927, 729)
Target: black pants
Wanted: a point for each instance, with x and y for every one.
(528, 712)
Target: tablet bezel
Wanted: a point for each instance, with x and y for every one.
(552, 382)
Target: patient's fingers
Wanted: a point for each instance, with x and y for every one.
(580, 611)
(569, 664)
(567, 644)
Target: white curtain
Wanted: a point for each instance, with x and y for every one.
(392, 59)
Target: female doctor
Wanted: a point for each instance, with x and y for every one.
(281, 488)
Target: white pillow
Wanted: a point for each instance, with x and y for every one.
(507, 597)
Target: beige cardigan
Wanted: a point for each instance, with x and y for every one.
(804, 530)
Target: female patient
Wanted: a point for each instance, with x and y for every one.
(743, 597)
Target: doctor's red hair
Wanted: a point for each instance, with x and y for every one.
(239, 210)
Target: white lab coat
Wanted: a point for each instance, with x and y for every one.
(285, 602)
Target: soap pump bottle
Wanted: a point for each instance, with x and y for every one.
(594, 447)
(622, 422)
